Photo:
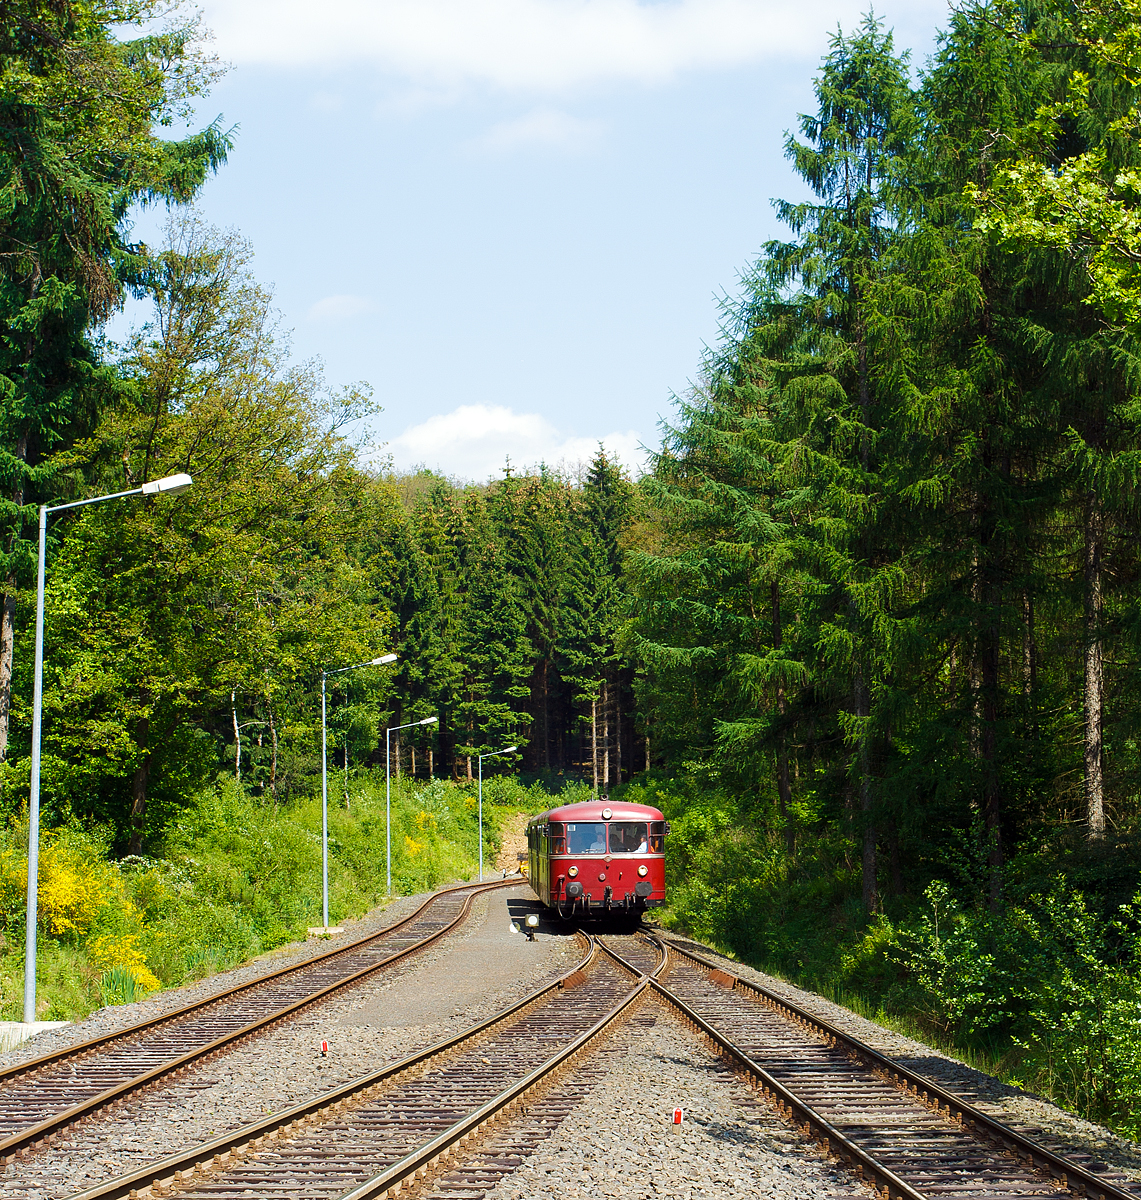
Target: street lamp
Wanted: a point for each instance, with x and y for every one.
(489, 754)
(372, 662)
(171, 484)
(388, 790)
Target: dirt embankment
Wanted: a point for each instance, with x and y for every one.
(514, 833)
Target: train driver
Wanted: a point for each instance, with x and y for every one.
(598, 846)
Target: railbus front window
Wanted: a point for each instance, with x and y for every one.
(558, 837)
(658, 837)
(628, 837)
(586, 837)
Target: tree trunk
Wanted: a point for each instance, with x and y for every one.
(992, 815)
(784, 788)
(273, 755)
(546, 715)
(1094, 689)
(1029, 650)
(7, 650)
(618, 732)
(237, 737)
(594, 745)
(431, 765)
(8, 612)
(139, 785)
(647, 751)
(605, 735)
(868, 854)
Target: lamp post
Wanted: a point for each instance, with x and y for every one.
(388, 790)
(170, 484)
(372, 662)
(489, 754)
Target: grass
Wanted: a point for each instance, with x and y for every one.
(231, 878)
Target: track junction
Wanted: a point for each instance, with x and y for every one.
(461, 1115)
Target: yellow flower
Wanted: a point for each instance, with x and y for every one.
(119, 950)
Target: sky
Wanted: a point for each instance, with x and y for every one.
(515, 220)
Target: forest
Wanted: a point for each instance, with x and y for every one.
(866, 628)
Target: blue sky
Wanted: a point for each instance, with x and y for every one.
(513, 218)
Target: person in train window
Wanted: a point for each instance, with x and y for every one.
(598, 846)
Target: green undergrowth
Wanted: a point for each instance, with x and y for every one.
(1043, 990)
(231, 877)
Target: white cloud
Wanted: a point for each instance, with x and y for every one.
(533, 45)
(340, 308)
(543, 128)
(473, 442)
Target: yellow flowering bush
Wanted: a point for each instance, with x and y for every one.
(412, 847)
(76, 884)
(110, 950)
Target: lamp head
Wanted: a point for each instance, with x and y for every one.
(508, 749)
(384, 658)
(170, 484)
(429, 720)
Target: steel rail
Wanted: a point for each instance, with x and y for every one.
(974, 1121)
(33, 1135)
(663, 950)
(95, 1043)
(420, 1161)
(163, 1172)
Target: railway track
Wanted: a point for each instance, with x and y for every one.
(41, 1097)
(466, 1112)
(897, 1130)
(382, 1132)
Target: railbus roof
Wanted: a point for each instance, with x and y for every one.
(592, 810)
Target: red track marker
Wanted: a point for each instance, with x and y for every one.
(677, 1116)
(324, 1049)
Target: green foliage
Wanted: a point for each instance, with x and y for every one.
(236, 877)
(81, 110)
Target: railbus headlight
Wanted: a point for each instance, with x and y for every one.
(643, 870)
(572, 871)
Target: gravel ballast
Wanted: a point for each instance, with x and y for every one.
(620, 1141)
(470, 975)
(1029, 1114)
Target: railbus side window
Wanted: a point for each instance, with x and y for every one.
(657, 837)
(558, 837)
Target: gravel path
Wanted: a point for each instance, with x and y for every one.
(620, 1140)
(443, 990)
(1054, 1127)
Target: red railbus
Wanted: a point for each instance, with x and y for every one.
(603, 856)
